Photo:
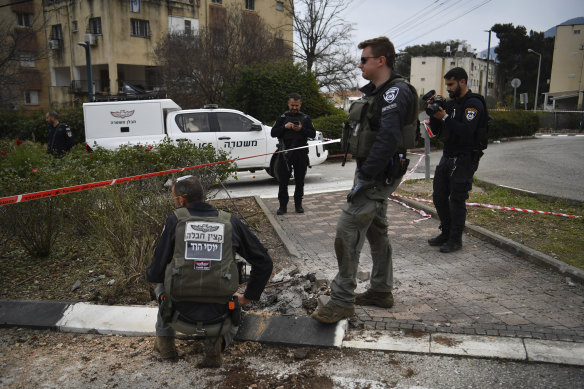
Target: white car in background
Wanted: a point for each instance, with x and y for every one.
(111, 124)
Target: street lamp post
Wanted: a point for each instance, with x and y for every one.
(537, 84)
(488, 60)
(89, 70)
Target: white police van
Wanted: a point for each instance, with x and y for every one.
(111, 124)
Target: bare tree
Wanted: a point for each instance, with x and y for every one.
(197, 69)
(324, 41)
(18, 49)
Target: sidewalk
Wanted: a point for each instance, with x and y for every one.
(480, 290)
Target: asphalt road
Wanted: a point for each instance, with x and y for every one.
(551, 166)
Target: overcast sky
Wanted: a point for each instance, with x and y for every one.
(407, 22)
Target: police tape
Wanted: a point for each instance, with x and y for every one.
(425, 216)
(406, 176)
(500, 207)
(78, 188)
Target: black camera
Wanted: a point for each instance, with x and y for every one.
(296, 122)
(435, 101)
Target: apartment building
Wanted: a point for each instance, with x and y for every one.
(567, 79)
(122, 36)
(427, 73)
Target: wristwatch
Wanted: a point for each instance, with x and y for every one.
(444, 117)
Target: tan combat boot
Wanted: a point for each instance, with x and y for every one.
(212, 353)
(379, 299)
(332, 313)
(165, 346)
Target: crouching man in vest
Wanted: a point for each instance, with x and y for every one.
(196, 273)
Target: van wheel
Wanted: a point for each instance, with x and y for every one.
(273, 170)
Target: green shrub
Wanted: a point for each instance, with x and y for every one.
(126, 218)
(33, 126)
(512, 123)
(331, 127)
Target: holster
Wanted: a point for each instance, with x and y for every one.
(396, 168)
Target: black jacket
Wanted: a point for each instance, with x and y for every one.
(458, 131)
(391, 112)
(60, 139)
(244, 243)
(290, 137)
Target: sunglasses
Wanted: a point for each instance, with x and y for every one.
(365, 59)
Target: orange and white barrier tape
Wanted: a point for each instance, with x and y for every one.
(496, 207)
(425, 216)
(77, 188)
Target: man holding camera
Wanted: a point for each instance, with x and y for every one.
(197, 276)
(292, 128)
(458, 125)
(374, 137)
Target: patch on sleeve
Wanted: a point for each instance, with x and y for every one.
(391, 94)
(470, 113)
(69, 132)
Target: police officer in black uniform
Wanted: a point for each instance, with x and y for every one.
(292, 128)
(458, 127)
(188, 192)
(60, 138)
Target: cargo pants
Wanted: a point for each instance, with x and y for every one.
(363, 218)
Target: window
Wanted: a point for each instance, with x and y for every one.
(56, 32)
(24, 19)
(188, 28)
(423, 62)
(250, 5)
(423, 79)
(232, 122)
(217, 1)
(27, 60)
(576, 32)
(193, 122)
(140, 28)
(279, 6)
(31, 97)
(95, 26)
(74, 27)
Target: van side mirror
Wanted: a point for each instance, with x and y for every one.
(256, 127)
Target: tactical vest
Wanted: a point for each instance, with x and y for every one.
(358, 136)
(203, 268)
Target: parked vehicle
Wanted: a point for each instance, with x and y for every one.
(111, 124)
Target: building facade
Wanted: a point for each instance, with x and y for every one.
(427, 73)
(567, 79)
(122, 36)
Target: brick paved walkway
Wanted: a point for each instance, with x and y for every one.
(479, 290)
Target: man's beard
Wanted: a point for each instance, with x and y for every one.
(455, 94)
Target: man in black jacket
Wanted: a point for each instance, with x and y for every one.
(292, 128)
(60, 138)
(457, 126)
(235, 237)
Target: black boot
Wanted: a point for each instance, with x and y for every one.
(440, 239)
(451, 246)
(299, 208)
(282, 210)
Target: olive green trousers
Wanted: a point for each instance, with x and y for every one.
(363, 218)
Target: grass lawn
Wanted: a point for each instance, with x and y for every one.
(559, 237)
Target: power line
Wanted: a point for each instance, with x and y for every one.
(415, 15)
(445, 23)
(425, 18)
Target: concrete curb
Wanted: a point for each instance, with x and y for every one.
(511, 246)
(294, 331)
(290, 247)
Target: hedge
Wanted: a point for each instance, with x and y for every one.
(331, 127)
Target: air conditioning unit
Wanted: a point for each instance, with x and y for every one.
(91, 38)
(54, 44)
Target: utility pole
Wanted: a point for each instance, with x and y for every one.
(89, 70)
(537, 83)
(488, 60)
